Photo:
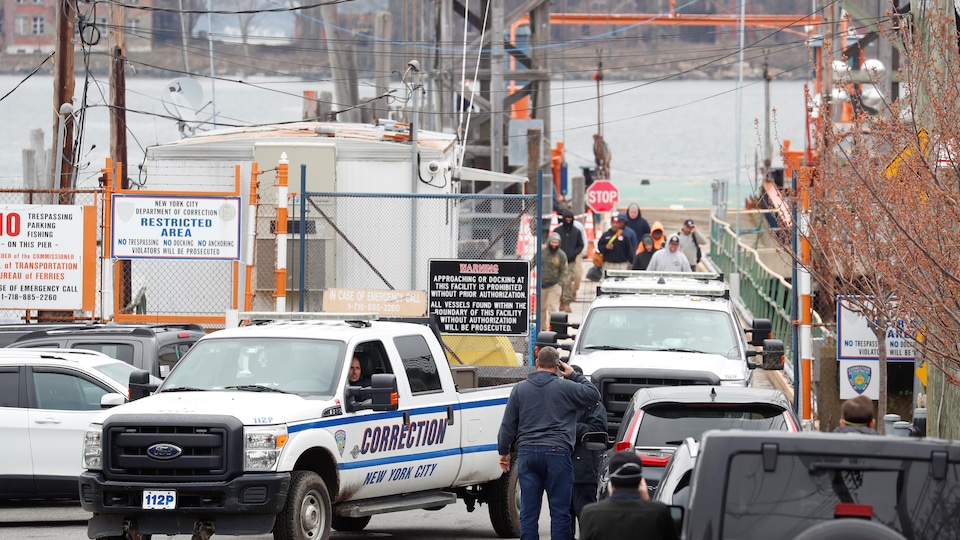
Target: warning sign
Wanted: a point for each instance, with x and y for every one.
(43, 261)
(480, 296)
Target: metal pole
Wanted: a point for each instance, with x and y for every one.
(281, 272)
(303, 231)
(183, 39)
(414, 170)
(539, 248)
(213, 81)
(794, 302)
(739, 114)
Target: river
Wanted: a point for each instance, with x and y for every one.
(668, 139)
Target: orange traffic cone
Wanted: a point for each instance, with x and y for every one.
(591, 231)
(526, 241)
(554, 222)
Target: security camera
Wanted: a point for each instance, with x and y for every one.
(414, 65)
(434, 167)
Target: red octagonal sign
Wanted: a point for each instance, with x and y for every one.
(602, 196)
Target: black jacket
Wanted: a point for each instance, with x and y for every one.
(571, 241)
(621, 249)
(627, 517)
(586, 463)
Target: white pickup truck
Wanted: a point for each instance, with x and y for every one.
(257, 430)
(664, 329)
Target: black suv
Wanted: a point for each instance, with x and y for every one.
(749, 485)
(155, 348)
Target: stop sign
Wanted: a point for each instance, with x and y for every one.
(602, 196)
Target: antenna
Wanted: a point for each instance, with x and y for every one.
(183, 99)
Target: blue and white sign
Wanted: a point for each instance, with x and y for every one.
(857, 341)
(175, 227)
(860, 378)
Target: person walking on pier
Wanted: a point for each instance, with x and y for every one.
(617, 245)
(670, 259)
(572, 244)
(690, 242)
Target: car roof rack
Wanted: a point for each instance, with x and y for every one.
(264, 317)
(625, 282)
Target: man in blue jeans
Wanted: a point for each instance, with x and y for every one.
(541, 422)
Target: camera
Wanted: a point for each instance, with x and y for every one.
(433, 167)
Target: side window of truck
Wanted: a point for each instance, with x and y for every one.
(419, 364)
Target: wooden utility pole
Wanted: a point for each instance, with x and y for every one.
(64, 84)
(342, 64)
(118, 126)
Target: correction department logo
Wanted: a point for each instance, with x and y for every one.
(859, 377)
(341, 437)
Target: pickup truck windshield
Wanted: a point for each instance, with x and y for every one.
(659, 329)
(307, 367)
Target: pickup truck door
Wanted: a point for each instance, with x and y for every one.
(16, 462)
(62, 403)
(433, 433)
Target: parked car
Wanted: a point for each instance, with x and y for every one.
(47, 399)
(658, 419)
(154, 348)
(10, 332)
(674, 486)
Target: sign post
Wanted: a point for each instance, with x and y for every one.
(602, 196)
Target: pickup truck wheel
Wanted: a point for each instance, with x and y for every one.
(849, 529)
(307, 513)
(350, 524)
(504, 502)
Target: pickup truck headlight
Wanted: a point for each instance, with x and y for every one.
(93, 448)
(262, 446)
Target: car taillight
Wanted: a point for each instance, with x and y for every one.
(621, 446)
(183, 334)
(654, 461)
(852, 510)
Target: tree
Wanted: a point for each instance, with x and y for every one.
(885, 203)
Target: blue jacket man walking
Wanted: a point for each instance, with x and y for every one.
(541, 422)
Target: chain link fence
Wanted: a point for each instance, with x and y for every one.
(384, 242)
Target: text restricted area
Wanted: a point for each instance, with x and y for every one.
(480, 296)
(175, 227)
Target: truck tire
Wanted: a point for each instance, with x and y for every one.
(307, 513)
(504, 502)
(849, 529)
(350, 524)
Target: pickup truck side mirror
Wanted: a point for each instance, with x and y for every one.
(760, 331)
(772, 356)
(559, 323)
(596, 441)
(139, 384)
(111, 400)
(381, 395)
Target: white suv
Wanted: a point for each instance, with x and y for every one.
(664, 329)
(47, 399)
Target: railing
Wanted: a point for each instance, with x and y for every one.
(763, 292)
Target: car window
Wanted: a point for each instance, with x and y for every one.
(65, 392)
(120, 351)
(419, 364)
(9, 387)
(120, 373)
(170, 354)
(669, 424)
(796, 492)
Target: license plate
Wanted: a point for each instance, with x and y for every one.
(159, 499)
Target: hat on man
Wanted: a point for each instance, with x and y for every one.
(622, 218)
(554, 236)
(674, 239)
(626, 469)
(688, 223)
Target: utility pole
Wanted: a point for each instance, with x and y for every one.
(497, 62)
(64, 84)
(116, 37)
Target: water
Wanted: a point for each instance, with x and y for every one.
(678, 135)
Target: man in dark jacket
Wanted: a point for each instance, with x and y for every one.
(628, 512)
(618, 245)
(540, 420)
(857, 416)
(586, 463)
(642, 260)
(571, 242)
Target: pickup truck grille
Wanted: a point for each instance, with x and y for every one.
(210, 448)
(618, 385)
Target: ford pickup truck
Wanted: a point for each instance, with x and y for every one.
(258, 429)
(665, 329)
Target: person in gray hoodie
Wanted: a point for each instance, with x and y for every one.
(540, 421)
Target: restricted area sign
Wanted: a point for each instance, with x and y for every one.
(486, 296)
(602, 196)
